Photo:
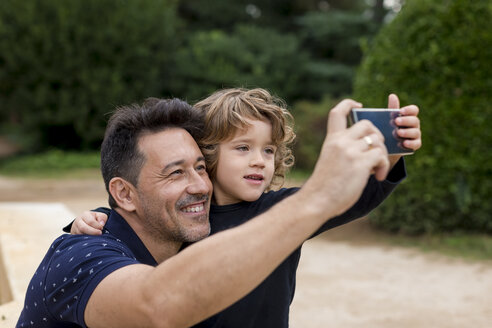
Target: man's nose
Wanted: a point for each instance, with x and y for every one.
(199, 184)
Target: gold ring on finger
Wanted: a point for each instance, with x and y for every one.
(369, 141)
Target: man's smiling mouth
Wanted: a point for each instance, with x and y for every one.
(194, 208)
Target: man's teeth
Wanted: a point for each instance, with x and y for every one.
(193, 209)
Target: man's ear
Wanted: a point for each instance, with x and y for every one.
(124, 193)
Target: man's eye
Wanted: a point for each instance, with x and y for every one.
(177, 172)
(201, 168)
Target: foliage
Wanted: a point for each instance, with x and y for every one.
(253, 56)
(437, 54)
(65, 64)
(250, 57)
(310, 127)
(333, 38)
(279, 14)
(297, 49)
(335, 34)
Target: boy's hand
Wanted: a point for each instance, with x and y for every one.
(409, 126)
(89, 223)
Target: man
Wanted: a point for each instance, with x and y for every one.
(132, 276)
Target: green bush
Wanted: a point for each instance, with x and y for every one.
(65, 64)
(310, 127)
(437, 55)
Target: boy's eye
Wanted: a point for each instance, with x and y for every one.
(270, 151)
(242, 148)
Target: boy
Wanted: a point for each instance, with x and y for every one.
(246, 146)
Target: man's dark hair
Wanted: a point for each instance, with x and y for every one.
(120, 156)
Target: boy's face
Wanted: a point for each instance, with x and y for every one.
(246, 164)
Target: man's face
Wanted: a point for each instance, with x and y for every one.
(173, 188)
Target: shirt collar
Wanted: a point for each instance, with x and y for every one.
(118, 227)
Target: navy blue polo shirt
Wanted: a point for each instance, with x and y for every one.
(73, 267)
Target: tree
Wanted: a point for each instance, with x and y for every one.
(437, 54)
(65, 64)
(249, 56)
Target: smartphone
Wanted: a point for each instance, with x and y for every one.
(384, 120)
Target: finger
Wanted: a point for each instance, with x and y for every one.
(80, 227)
(364, 128)
(410, 110)
(75, 230)
(337, 120)
(412, 144)
(92, 222)
(407, 121)
(101, 218)
(90, 219)
(409, 133)
(393, 101)
(88, 230)
(380, 163)
(371, 141)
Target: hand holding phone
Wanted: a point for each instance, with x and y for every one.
(383, 119)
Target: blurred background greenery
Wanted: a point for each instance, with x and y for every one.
(65, 65)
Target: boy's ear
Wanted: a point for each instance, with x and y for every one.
(123, 193)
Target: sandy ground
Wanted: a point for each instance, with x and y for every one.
(347, 277)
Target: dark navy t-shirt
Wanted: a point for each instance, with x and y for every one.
(73, 267)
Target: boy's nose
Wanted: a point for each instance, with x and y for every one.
(257, 159)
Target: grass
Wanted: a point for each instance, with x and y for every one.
(58, 164)
(51, 164)
(462, 245)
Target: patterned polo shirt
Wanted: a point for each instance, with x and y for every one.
(73, 267)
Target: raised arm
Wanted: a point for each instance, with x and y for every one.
(375, 191)
(211, 274)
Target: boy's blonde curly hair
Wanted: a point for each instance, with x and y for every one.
(226, 111)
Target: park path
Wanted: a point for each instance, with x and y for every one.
(372, 285)
(347, 277)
